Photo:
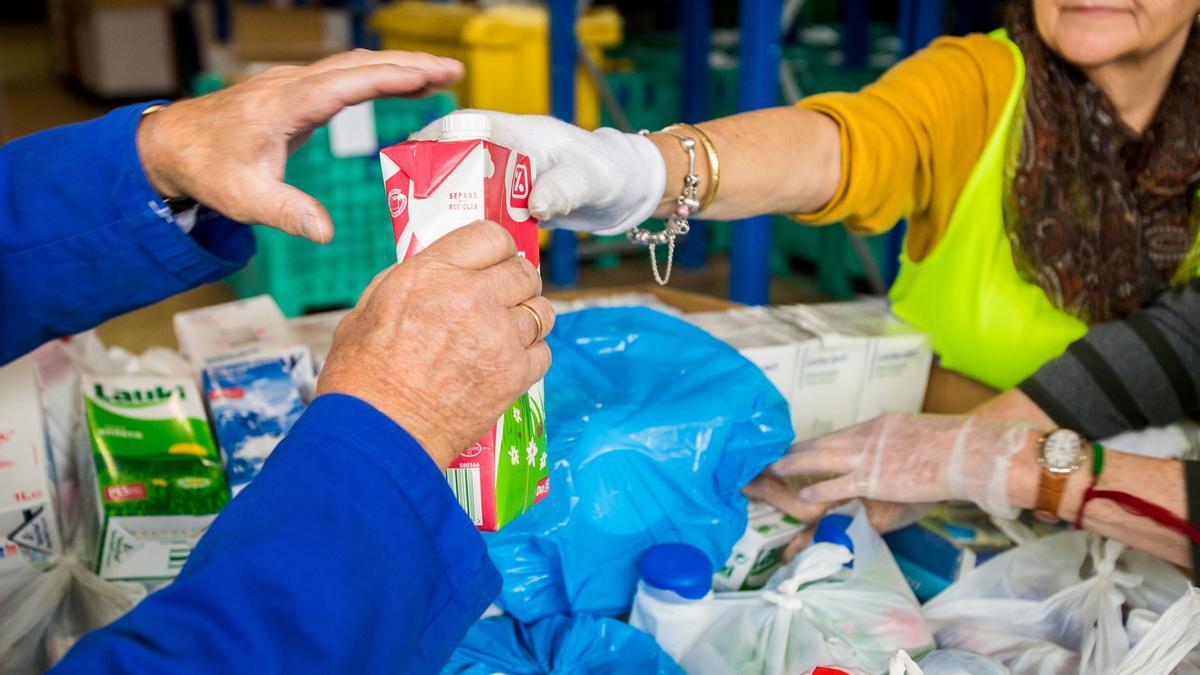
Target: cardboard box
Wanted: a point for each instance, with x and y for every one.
(774, 350)
(125, 48)
(28, 518)
(434, 188)
(898, 356)
(759, 552)
(156, 479)
(241, 327)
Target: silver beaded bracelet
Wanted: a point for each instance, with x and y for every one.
(686, 204)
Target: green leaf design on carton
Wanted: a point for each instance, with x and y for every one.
(523, 428)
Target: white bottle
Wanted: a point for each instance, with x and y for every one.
(674, 601)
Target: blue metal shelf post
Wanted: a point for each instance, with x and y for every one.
(696, 41)
(564, 52)
(758, 87)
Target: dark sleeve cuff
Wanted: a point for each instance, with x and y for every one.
(417, 479)
(1191, 473)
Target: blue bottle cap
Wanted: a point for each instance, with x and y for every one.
(832, 530)
(681, 568)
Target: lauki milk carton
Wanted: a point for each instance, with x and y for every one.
(28, 520)
(436, 187)
(156, 479)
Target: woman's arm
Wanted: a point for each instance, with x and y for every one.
(763, 169)
(910, 458)
(1159, 481)
(903, 147)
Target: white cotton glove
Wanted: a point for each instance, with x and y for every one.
(602, 181)
(912, 458)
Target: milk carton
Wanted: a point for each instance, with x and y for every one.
(28, 520)
(760, 550)
(256, 376)
(156, 478)
(436, 187)
(254, 401)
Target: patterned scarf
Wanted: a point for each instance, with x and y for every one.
(1103, 220)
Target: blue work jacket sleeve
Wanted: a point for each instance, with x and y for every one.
(84, 237)
(347, 554)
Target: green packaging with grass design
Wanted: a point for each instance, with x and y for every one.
(156, 477)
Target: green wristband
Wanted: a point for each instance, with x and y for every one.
(1097, 459)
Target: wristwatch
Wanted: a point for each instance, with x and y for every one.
(1060, 452)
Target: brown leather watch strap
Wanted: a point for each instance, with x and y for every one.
(1049, 494)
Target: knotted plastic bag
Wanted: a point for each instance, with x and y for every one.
(654, 426)
(558, 644)
(1056, 604)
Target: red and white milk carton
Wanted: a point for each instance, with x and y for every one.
(434, 188)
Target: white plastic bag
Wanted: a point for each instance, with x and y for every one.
(43, 613)
(945, 662)
(814, 611)
(1054, 605)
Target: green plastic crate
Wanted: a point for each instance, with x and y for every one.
(303, 276)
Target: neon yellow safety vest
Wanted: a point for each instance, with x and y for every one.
(985, 320)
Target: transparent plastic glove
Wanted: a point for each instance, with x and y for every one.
(603, 181)
(912, 458)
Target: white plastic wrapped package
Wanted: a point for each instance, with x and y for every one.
(814, 611)
(43, 613)
(1054, 605)
(44, 610)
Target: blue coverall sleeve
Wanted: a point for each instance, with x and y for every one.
(347, 554)
(84, 237)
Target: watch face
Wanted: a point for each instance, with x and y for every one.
(1061, 450)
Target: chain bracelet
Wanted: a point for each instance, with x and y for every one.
(686, 204)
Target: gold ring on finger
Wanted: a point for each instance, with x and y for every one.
(537, 318)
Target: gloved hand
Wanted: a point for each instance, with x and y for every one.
(603, 181)
(913, 459)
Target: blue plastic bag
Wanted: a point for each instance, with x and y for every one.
(654, 426)
(559, 644)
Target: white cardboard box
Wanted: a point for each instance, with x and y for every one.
(240, 326)
(773, 350)
(28, 518)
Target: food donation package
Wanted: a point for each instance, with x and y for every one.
(156, 478)
(434, 188)
(28, 520)
(256, 375)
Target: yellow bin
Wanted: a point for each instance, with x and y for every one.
(506, 50)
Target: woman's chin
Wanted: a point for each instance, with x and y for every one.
(1090, 49)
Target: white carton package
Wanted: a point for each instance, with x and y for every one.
(774, 351)
(829, 383)
(234, 328)
(898, 359)
(760, 550)
(28, 519)
(256, 376)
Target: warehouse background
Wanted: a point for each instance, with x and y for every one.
(63, 61)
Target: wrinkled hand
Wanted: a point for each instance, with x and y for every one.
(439, 344)
(603, 181)
(912, 458)
(227, 150)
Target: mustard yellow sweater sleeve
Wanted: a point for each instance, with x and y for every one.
(910, 140)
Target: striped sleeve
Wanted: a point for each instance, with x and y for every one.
(1130, 374)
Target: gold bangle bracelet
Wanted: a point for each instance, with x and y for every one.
(714, 163)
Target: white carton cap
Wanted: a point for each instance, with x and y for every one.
(461, 126)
